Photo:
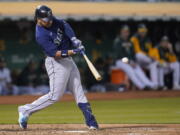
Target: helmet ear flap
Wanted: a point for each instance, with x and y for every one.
(35, 19)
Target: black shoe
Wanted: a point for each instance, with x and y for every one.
(162, 88)
(147, 88)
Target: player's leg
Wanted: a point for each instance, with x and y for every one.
(161, 73)
(130, 73)
(141, 75)
(143, 59)
(74, 84)
(153, 69)
(58, 77)
(176, 74)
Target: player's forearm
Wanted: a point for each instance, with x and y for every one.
(59, 54)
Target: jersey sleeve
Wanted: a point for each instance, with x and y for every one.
(137, 48)
(154, 53)
(47, 45)
(67, 29)
(116, 49)
(172, 57)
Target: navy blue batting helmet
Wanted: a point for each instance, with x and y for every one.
(43, 12)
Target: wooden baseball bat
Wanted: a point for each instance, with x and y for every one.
(92, 68)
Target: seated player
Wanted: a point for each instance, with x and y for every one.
(125, 60)
(177, 49)
(6, 87)
(167, 62)
(142, 46)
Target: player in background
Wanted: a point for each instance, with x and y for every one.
(167, 59)
(126, 61)
(6, 86)
(5, 78)
(143, 46)
(59, 43)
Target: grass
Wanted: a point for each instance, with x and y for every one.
(161, 110)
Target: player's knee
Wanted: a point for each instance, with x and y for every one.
(53, 98)
(176, 64)
(154, 64)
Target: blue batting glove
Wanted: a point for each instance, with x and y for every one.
(76, 42)
(82, 48)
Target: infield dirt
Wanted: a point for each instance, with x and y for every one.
(80, 129)
(23, 99)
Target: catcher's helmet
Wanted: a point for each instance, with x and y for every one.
(43, 12)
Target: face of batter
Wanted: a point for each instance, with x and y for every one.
(44, 23)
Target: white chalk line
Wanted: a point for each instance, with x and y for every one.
(75, 131)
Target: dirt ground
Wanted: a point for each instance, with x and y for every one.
(79, 129)
(105, 129)
(95, 96)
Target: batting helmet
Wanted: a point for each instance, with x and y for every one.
(43, 12)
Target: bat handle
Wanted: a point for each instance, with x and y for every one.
(82, 52)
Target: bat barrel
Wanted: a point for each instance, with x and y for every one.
(92, 68)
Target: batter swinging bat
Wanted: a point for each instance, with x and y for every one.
(92, 68)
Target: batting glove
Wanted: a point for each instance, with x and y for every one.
(82, 48)
(76, 42)
(78, 51)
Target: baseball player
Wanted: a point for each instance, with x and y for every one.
(5, 78)
(124, 50)
(59, 43)
(142, 46)
(167, 59)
